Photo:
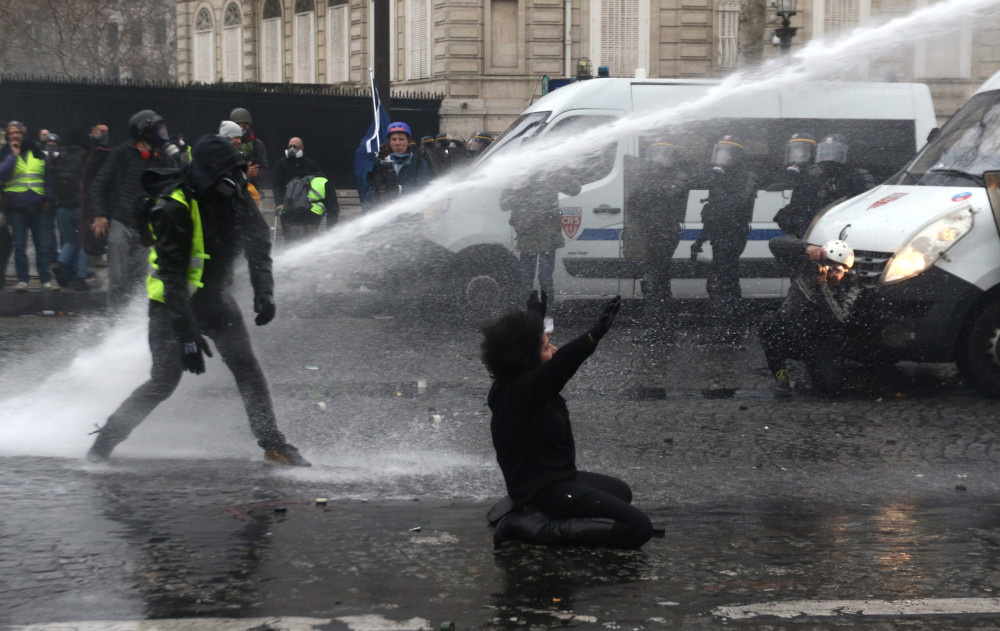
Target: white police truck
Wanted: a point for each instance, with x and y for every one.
(473, 243)
(927, 244)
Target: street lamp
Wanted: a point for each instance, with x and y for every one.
(785, 10)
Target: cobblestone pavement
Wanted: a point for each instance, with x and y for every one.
(889, 494)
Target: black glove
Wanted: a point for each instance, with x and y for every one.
(191, 350)
(538, 306)
(263, 306)
(697, 248)
(606, 319)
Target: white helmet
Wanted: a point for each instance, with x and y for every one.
(840, 252)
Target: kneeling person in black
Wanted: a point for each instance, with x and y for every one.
(551, 502)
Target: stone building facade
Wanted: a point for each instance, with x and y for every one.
(488, 57)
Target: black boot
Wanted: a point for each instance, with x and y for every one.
(105, 443)
(538, 528)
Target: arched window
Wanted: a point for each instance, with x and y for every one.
(232, 43)
(338, 41)
(204, 47)
(270, 42)
(305, 41)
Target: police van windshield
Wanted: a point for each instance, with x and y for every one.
(526, 126)
(969, 145)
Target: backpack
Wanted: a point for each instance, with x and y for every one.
(297, 200)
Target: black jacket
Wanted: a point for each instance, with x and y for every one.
(810, 299)
(729, 210)
(67, 176)
(531, 430)
(229, 227)
(118, 185)
(819, 187)
(410, 178)
(287, 169)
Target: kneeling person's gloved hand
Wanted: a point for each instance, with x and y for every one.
(263, 306)
(536, 304)
(191, 353)
(606, 319)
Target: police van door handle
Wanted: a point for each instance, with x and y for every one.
(608, 210)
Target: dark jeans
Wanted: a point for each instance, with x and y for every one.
(41, 224)
(545, 263)
(724, 286)
(297, 228)
(591, 495)
(218, 317)
(71, 254)
(6, 246)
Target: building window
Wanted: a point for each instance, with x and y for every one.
(232, 43)
(620, 35)
(113, 35)
(418, 33)
(305, 42)
(946, 56)
(204, 47)
(160, 31)
(135, 35)
(504, 30)
(338, 52)
(729, 33)
(270, 43)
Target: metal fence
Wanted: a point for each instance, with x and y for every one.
(331, 122)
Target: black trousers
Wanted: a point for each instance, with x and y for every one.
(594, 495)
(6, 247)
(220, 319)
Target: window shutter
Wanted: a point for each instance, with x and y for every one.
(419, 51)
(204, 48)
(620, 36)
(841, 15)
(304, 52)
(338, 40)
(729, 33)
(232, 44)
(271, 51)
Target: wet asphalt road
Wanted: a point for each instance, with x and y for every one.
(889, 494)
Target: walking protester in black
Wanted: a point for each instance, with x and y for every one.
(550, 501)
(202, 221)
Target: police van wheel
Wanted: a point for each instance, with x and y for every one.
(979, 361)
(483, 285)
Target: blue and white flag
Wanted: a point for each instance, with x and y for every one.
(367, 152)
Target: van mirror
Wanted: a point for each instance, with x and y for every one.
(933, 134)
(992, 179)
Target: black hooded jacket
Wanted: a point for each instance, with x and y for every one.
(531, 431)
(229, 225)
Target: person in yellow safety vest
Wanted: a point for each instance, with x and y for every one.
(304, 207)
(200, 223)
(297, 221)
(29, 205)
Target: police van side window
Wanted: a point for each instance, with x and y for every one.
(596, 164)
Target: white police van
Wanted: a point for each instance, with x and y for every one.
(885, 122)
(927, 243)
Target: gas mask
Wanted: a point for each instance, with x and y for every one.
(231, 185)
(293, 153)
(247, 135)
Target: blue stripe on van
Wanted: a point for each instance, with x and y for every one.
(615, 234)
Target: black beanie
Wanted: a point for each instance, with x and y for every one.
(212, 157)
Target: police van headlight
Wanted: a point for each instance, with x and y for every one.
(929, 243)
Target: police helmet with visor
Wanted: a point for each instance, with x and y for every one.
(833, 148)
(800, 151)
(727, 154)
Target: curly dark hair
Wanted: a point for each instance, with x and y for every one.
(512, 344)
